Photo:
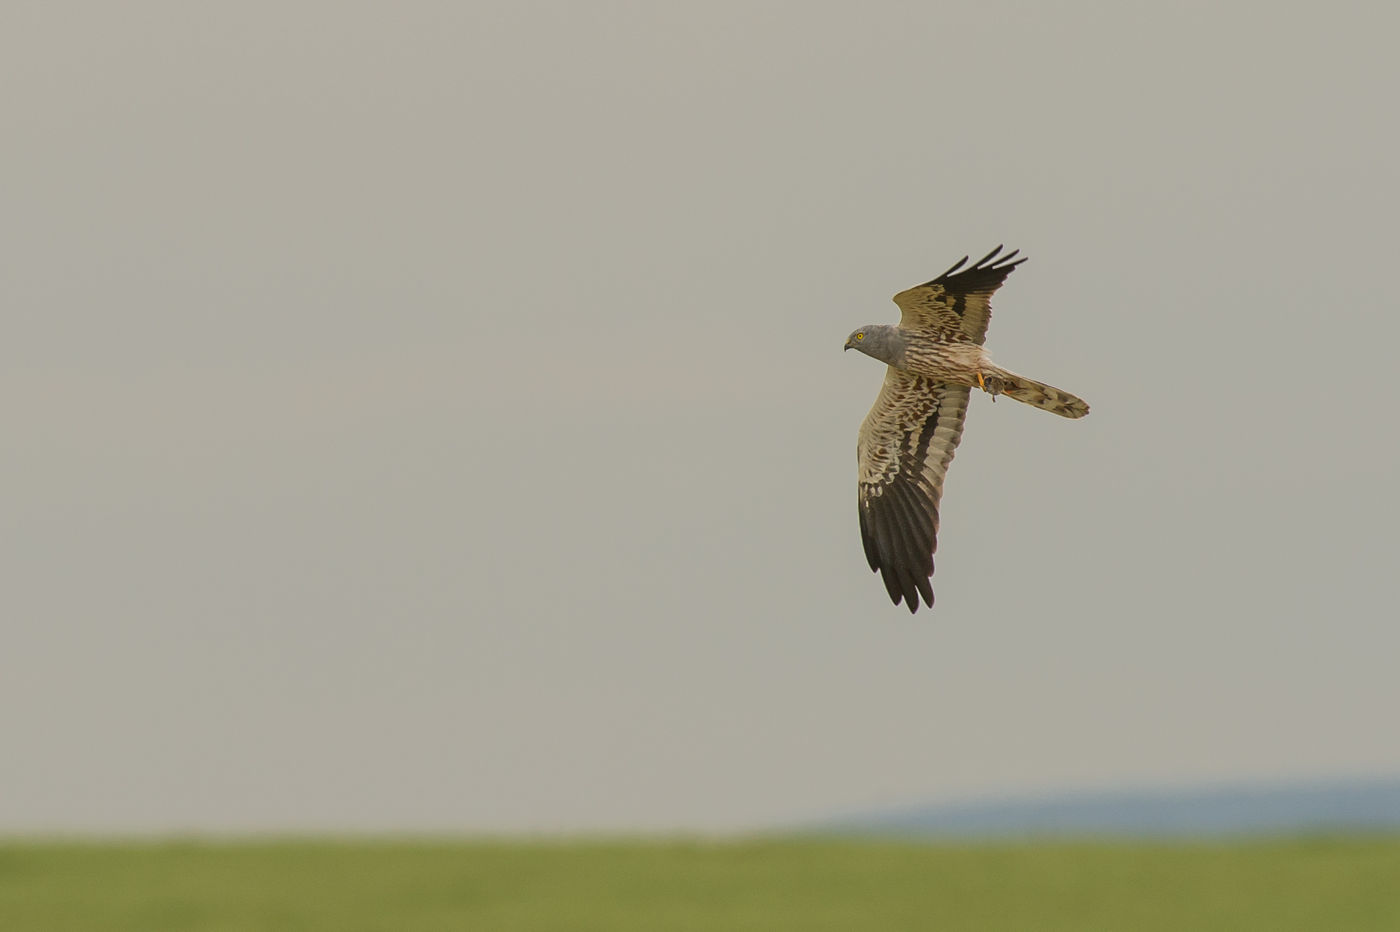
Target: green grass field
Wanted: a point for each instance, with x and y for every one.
(1330, 884)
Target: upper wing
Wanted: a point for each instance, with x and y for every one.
(957, 305)
(906, 444)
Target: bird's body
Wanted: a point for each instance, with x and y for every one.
(935, 359)
(969, 364)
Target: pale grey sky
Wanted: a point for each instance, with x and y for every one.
(432, 416)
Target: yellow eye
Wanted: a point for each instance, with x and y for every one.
(860, 336)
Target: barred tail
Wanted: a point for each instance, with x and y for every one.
(1041, 395)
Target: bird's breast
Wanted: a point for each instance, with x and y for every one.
(947, 362)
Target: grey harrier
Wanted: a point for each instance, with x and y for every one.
(935, 358)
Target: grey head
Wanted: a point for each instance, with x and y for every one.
(882, 341)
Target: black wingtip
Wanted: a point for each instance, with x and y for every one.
(905, 589)
(956, 265)
(993, 261)
(926, 590)
(891, 585)
(985, 274)
(983, 261)
(913, 603)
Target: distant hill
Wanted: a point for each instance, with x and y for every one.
(1226, 810)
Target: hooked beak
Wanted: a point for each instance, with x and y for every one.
(848, 346)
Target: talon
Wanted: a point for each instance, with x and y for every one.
(992, 385)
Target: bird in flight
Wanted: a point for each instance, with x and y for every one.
(935, 358)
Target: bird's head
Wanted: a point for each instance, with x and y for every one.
(881, 341)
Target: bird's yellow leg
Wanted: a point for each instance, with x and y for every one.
(995, 388)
